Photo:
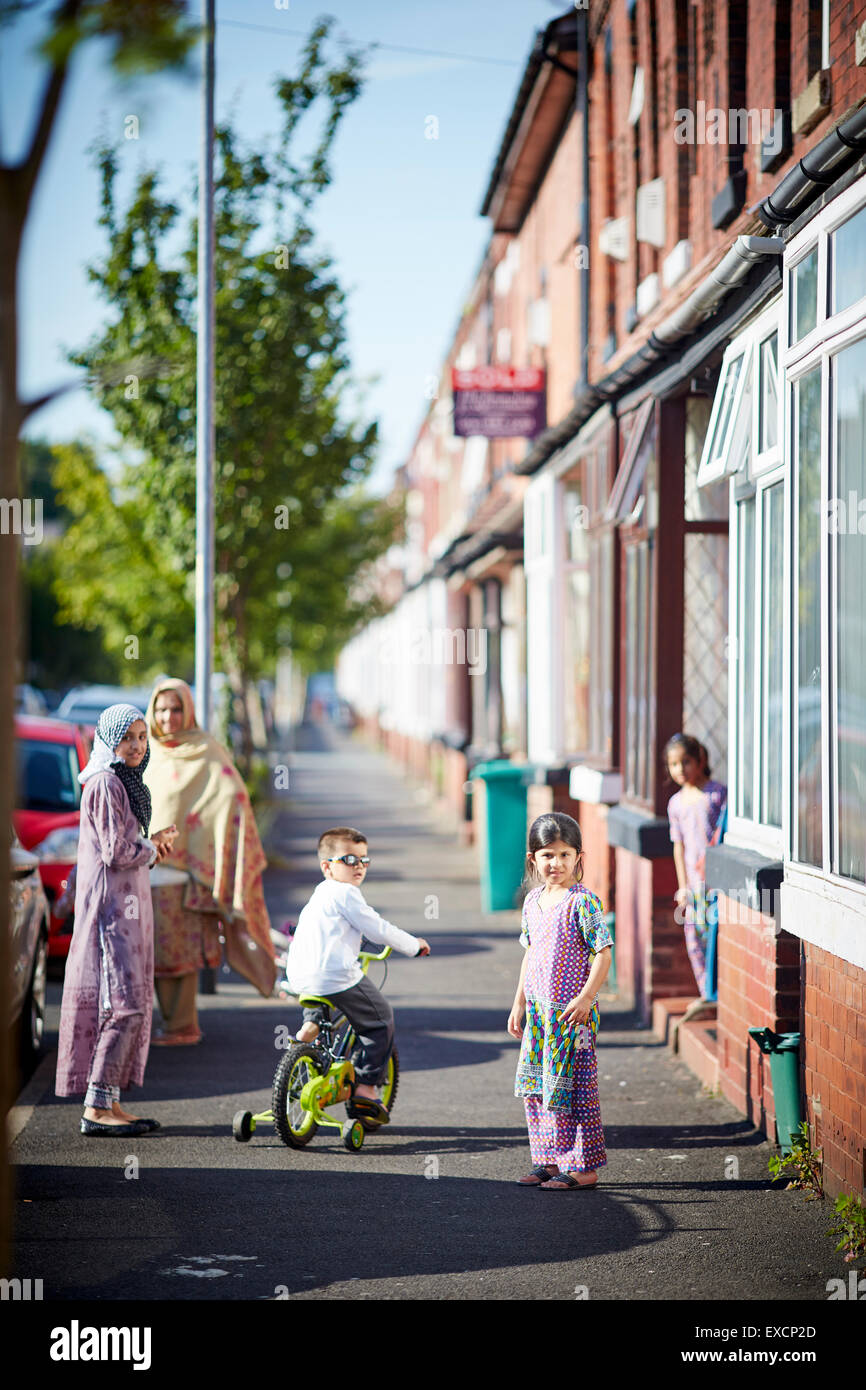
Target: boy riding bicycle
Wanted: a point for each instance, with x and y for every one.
(323, 960)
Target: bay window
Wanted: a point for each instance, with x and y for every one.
(825, 369)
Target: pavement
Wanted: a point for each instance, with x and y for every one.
(428, 1209)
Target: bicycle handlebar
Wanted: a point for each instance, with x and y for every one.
(366, 957)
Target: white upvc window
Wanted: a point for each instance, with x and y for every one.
(743, 443)
(824, 362)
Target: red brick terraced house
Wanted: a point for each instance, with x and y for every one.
(678, 207)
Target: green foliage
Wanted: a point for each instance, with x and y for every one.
(57, 653)
(38, 461)
(850, 1224)
(292, 527)
(804, 1161)
(115, 576)
(142, 35)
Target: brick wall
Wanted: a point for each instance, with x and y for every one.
(834, 1025)
(759, 987)
(722, 54)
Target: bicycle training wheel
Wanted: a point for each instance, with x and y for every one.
(294, 1124)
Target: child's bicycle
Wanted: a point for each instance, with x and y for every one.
(312, 1076)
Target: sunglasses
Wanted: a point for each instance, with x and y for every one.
(350, 859)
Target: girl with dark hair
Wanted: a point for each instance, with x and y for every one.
(696, 816)
(567, 957)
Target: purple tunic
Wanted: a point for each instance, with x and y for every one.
(108, 989)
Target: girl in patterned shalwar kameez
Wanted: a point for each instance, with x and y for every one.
(567, 957)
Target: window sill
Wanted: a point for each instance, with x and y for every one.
(640, 832)
(596, 786)
(745, 877)
(826, 913)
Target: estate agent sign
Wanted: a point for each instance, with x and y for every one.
(499, 402)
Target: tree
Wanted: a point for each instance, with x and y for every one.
(144, 35)
(291, 527)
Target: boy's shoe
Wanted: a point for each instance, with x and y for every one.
(365, 1108)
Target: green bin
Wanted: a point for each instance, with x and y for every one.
(503, 831)
(783, 1049)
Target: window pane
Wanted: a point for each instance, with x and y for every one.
(705, 656)
(850, 605)
(746, 685)
(47, 776)
(849, 263)
(720, 428)
(769, 397)
(711, 500)
(601, 644)
(631, 665)
(576, 518)
(805, 295)
(771, 751)
(808, 619)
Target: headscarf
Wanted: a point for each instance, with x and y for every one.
(111, 726)
(196, 787)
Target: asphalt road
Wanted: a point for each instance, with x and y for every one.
(429, 1208)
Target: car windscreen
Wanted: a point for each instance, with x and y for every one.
(47, 776)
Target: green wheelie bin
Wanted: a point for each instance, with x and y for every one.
(783, 1049)
(503, 831)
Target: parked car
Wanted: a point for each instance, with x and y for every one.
(85, 703)
(51, 753)
(29, 700)
(28, 929)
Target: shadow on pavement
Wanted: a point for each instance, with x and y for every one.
(301, 1230)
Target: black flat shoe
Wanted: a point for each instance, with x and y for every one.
(147, 1126)
(93, 1128)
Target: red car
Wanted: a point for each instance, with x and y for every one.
(51, 753)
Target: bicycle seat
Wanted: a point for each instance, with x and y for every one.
(307, 1001)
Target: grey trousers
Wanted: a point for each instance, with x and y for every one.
(372, 1018)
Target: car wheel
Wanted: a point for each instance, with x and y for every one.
(33, 1011)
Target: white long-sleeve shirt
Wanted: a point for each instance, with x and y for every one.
(323, 956)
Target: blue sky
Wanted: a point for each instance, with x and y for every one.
(401, 218)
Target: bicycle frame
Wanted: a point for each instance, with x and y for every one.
(332, 1086)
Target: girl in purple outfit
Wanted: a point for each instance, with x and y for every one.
(694, 814)
(108, 988)
(567, 957)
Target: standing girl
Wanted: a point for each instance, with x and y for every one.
(567, 958)
(695, 815)
(108, 988)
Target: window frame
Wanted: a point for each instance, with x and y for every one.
(764, 470)
(832, 335)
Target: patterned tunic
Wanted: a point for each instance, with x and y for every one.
(556, 1071)
(108, 988)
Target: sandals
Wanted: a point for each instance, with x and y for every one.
(564, 1182)
(540, 1173)
(365, 1108)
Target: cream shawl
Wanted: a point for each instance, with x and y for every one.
(195, 786)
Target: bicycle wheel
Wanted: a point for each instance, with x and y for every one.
(294, 1124)
(344, 1033)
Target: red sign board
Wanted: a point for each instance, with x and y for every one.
(499, 402)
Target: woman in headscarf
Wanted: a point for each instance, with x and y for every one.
(195, 784)
(108, 988)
